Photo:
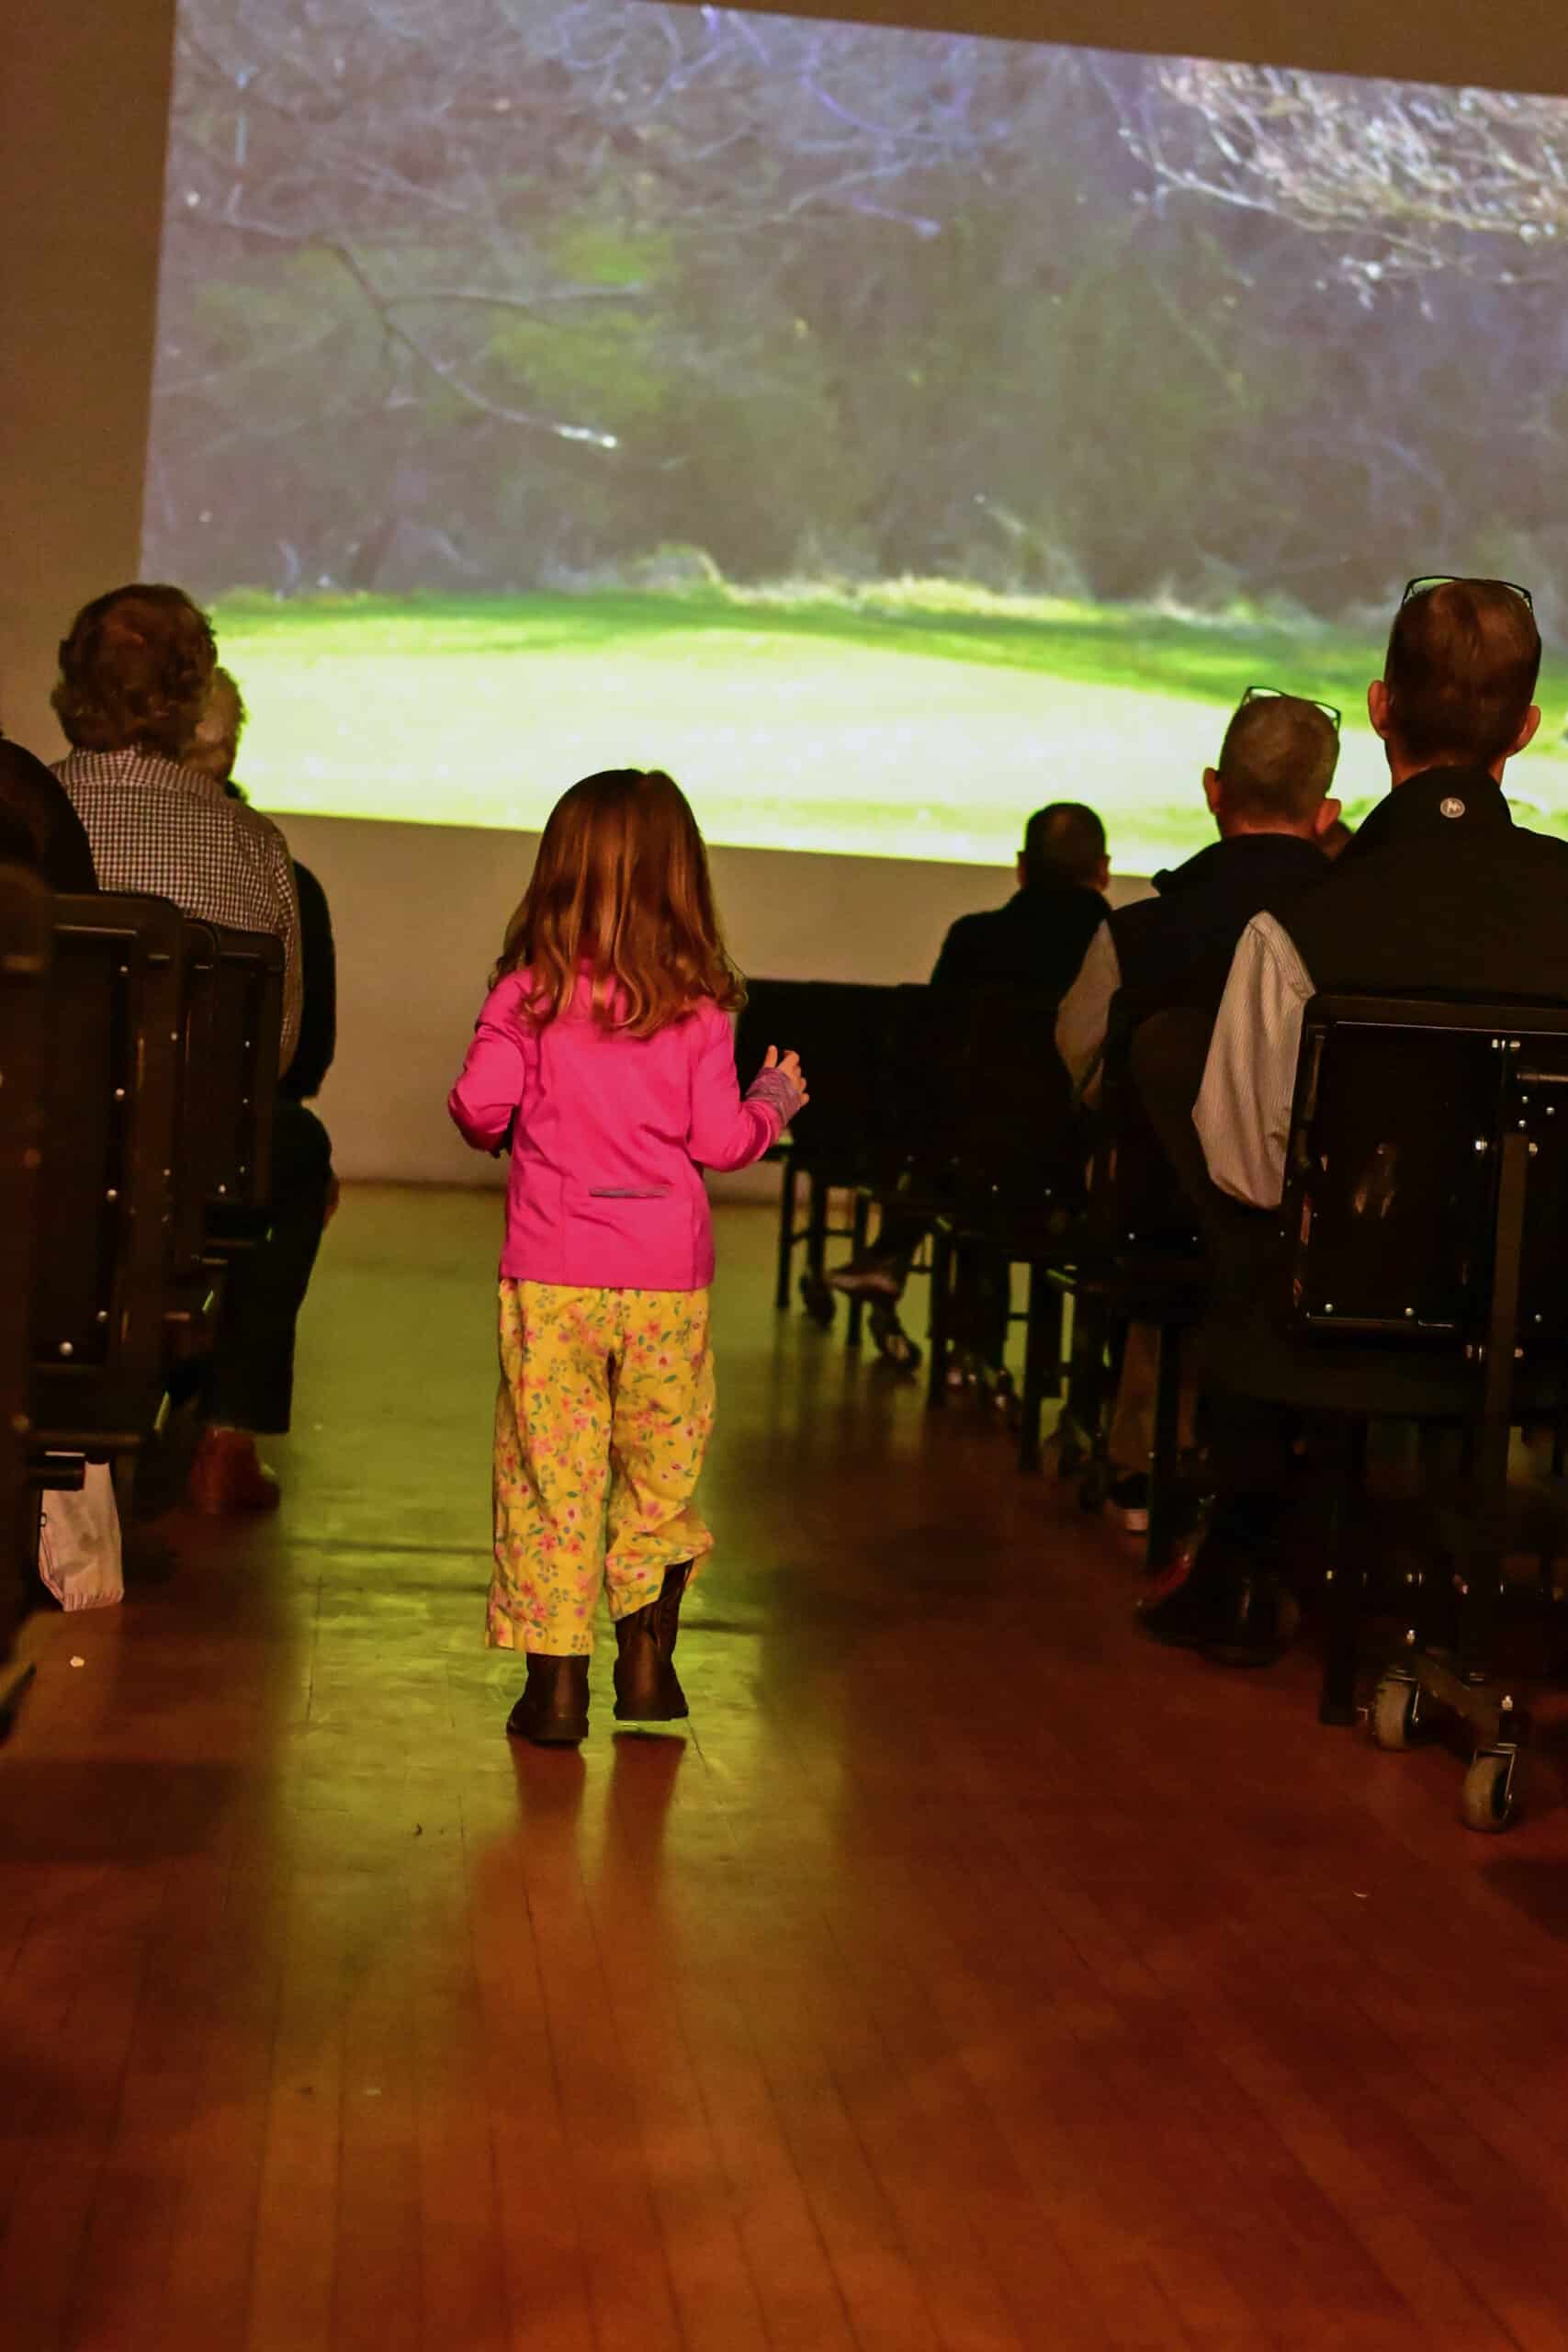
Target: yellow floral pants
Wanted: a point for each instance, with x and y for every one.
(604, 1416)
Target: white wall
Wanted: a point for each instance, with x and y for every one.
(419, 912)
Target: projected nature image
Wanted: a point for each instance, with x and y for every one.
(885, 431)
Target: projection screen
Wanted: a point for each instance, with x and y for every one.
(884, 430)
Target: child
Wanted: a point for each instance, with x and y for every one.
(603, 1053)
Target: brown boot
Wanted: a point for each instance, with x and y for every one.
(553, 1709)
(225, 1476)
(646, 1688)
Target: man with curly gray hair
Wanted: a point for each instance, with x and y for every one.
(136, 674)
(136, 684)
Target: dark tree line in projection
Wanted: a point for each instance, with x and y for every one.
(491, 295)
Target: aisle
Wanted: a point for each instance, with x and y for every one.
(970, 1976)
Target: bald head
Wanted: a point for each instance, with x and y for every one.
(1275, 767)
(1458, 684)
(1063, 843)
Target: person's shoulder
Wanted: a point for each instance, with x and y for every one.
(507, 997)
(1541, 849)
(248, 823)
(19, 765)
(966, 933)
(1134, 916)
(1270, 945)
(704, 1025)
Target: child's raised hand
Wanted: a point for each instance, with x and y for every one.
(788, 1065)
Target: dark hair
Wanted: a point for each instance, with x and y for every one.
(135, 671)
(621, 883)
(1462, 662)
(1277, 760)
(1063, 842)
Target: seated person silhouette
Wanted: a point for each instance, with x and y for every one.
(1037, 941)
(38, 827)
(1439, 890)
(1269, 797)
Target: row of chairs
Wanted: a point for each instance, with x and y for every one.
(1417, 1274)
(138, 1055)
(949, 1107)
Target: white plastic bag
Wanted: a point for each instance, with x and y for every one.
(79, 1543)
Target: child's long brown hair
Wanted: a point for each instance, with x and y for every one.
(621, 883)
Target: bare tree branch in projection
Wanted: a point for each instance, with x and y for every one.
(517, 293)
(1402, 178)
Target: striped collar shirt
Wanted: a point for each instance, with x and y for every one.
(171, 832)
(1243, 1113)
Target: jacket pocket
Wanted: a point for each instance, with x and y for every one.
(628, 1192)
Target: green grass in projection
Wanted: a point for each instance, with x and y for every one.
(907, 724)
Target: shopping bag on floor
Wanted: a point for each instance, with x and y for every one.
(79, 1557)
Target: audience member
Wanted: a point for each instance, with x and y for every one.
(1037, 940)
(251, 1385)
(1439, 890)
(135, 674)
(1269, 798)
(39, 827)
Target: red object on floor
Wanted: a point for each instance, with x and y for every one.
(228, 1476)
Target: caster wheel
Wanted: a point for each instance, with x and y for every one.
(1397, 1713)
(818, 1301)
(1490, 1798)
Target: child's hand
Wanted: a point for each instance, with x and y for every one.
(788, 1065)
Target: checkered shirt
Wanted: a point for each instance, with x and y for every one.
(171, 832)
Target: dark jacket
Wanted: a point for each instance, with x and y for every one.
(1439, 892)
(1038, 940)
(318, 1015)
(1441, 889)
(1176, 947)
(39, 827)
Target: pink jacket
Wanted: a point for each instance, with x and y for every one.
(610, 1134)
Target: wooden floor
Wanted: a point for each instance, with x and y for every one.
(971, 1976)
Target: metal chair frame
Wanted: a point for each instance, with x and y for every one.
(1485, 1314)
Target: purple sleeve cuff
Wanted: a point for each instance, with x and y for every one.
(772, 1087)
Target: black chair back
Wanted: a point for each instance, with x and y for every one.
(995, 1105)
(107, 1188)
(27, 923)
(1141, 1200)
(239, 1088)
(1406, 1112)
(849, 1039)
(193, 1141)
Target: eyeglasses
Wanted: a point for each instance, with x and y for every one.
(1282, 694)
(1462, 580)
